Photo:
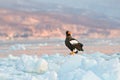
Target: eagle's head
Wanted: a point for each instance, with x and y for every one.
(68, 33)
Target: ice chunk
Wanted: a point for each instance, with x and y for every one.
(33, 64)
(4, 76)
(70, 64)
(34, 78)
(42, 66)
(73, 75)
(53, 76)
(54, 67)
(13, 57)
(90, 76)
(17, 47)
(59, 67)
(88, 63)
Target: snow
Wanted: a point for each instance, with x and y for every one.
(96, 66)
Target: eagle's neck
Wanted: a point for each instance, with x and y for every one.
(69, 36)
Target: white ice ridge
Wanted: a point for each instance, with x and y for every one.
(95, 66)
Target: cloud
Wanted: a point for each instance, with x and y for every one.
(47, 25)
(114, 33)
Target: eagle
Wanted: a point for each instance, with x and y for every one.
(73, 44)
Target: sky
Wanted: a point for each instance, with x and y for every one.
(105, 10)
(107, 7)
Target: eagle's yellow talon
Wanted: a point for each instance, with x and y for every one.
(72, 53)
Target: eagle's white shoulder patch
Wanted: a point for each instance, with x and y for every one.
(74, 42)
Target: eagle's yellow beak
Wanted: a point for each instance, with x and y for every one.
(69, 33)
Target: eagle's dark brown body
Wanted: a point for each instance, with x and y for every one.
(72, 43)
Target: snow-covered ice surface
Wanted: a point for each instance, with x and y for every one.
(95, 66)
(49, 60)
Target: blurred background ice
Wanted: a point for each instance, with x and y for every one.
(53, 46)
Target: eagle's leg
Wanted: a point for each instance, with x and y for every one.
(72, 53)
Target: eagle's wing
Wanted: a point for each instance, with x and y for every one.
(76, 44)
(73, 42)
